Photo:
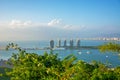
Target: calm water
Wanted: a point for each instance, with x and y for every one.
(84, 54)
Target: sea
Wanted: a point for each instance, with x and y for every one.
(87, 55)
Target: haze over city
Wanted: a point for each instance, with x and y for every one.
(53, 19)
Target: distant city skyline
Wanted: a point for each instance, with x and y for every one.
(54, 19)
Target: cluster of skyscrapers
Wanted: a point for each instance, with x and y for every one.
(64, 44)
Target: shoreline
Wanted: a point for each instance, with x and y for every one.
(48, 48)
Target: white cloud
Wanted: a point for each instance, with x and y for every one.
(27, 23)
(54, 22)
(56, 28)
(58, 23)
(74, 27)
(67, 26)
(19, 24)
(18, 29)
(15, 22)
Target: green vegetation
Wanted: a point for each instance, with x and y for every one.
(31, 66)
(110, 47)
(3, 75)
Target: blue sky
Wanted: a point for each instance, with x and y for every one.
(52, 19)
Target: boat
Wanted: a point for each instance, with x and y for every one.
(88, 52)
(106, 56)
(79, 52)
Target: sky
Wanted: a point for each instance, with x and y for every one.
(56, 19)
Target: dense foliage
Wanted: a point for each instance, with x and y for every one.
(110, 47)
(3, 75)
(31, 66)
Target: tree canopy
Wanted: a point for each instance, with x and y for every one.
(110, 47)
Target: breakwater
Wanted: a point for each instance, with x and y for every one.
(80, 47)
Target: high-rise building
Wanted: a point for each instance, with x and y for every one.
(78, 43)
(65, 43)
(52, 44)
(59, 43)
(71, 43)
